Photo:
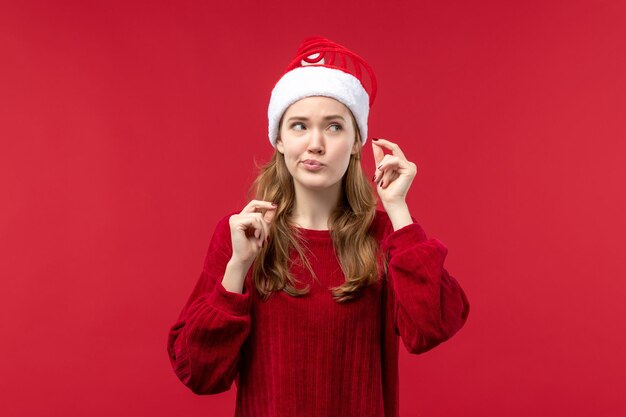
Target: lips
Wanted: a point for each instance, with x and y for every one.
(312, 162)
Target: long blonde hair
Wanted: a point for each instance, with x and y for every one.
(357, 251)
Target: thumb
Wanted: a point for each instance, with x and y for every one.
(378, 153)
(269, 214)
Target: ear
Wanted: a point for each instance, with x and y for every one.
(279, 145)
(355, 146)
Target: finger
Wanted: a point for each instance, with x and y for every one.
(400, 165)
(266, 228)
(254, 205)
(379, 154)
(378, 173)
(386, 178)
(270, 213)
(261, 227)
(241, 222)
(393, 147)
(260, 232)
(265, 221)
(390, 162)
(392, 167)
(251, 224)
(247, 225)
(389, 179)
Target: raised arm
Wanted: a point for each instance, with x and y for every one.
(204, 344)
(429, 305)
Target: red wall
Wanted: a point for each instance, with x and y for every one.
(127, 131)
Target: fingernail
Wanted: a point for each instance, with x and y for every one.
(275, 205)
(374, 138)
(374, 178)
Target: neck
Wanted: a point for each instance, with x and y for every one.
(313, 207)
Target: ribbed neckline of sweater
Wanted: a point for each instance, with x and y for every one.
(314, 234)
(324, 235)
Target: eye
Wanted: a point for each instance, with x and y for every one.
(337, 125)
(293, 125)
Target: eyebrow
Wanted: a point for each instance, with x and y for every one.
(334, 116)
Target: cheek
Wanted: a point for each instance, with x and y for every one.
(294, 150)
(291, 155)
(342, 154)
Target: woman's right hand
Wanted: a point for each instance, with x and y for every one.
(250, 229)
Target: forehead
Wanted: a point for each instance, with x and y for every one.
(317, 105)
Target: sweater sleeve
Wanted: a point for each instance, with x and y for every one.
(429, 305)
(205, 342)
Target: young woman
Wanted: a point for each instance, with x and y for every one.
(306, 292)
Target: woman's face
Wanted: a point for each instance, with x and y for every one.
(319, 129)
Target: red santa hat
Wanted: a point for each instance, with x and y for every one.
(324, 68)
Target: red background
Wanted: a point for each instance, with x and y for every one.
(129, 129)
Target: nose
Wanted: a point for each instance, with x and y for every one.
(316, 141)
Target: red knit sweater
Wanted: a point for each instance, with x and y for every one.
(309, 355)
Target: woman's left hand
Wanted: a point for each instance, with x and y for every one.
(394, 173)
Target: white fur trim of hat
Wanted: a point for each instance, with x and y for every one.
(313, 80)
(321, 68)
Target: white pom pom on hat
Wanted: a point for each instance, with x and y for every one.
(315, 72)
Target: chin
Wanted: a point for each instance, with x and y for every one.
(319, 184)
(314, 184)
